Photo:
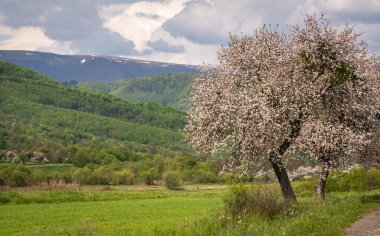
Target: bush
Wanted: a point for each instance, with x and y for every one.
(247, 200)
(19, 178)
(150, 176)
(358, 179)
(103, 175)
(40, 176)
(4, 199)
(82, 176)
(125, 176)
(14, 175)
(172, 179)
(202, 176)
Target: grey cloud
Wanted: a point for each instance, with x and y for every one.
(193, 25)
(152, 16)
(207, 23)
(71, 23)
(60, 20)
(105, 43)
(67, 21)
(23, 13)
(163, 46)
(4, 37)
(365, 17)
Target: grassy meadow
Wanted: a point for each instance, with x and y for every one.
(103, 210)
(154, 210)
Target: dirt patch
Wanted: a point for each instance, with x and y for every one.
(368, 225)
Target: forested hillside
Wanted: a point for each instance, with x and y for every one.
(168, 89)
(40, 114)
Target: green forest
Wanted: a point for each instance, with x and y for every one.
(169, 89)
(90, 129)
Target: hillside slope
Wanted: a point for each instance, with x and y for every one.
(168, 89)
(37, 112)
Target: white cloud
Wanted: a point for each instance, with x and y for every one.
(30, 38)
(139, 20)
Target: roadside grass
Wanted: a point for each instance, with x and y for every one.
(308, 217)
(154, 210)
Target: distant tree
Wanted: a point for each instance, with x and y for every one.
(24, 156)
(71, 83)
(172, 179)
(270, 92)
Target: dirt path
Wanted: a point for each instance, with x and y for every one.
(368, 225)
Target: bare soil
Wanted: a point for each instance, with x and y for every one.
(368, 225)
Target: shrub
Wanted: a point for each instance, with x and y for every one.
(4, 198)
(150, 176)
(358, 179)
(19, 178)
(247, 200)
(125, 176)
(39, 176)
(103, 175)
(82, 176)
(14, 175)
(206, 176)
(172, 179)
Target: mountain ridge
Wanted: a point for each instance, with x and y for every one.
(82, 68)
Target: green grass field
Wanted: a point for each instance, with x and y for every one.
(116, 211)
(148, 210)
(104, 217)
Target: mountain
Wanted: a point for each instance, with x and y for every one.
(90, 68)
(38, 113)
(168, 89)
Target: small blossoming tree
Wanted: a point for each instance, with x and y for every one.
(345, 101)
(272, 93)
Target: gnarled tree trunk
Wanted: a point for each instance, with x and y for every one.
(283, 179)
(278, 167)
(321, 184)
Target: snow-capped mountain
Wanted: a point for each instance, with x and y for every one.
(88, 67)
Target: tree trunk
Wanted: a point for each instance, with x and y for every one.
(283, 179)
(276, 157)
(321, 184)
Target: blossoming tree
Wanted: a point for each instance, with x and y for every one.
(271, 93)
(248, 108)
(345, 101)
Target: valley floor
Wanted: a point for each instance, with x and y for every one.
(148, 210)
(100, 210)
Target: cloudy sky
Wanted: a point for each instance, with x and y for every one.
(182, 31)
